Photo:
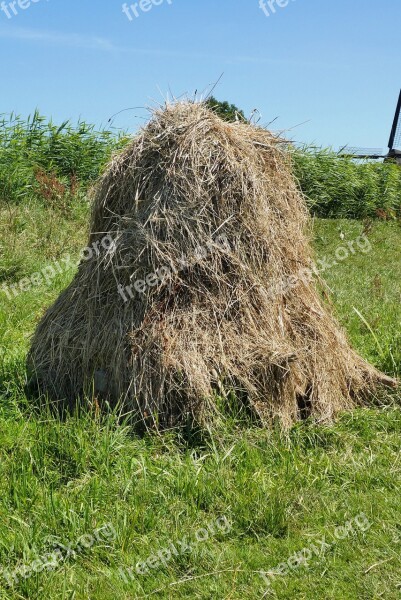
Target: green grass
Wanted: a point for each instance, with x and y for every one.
(368, 281)
(341, 187)
(280, 493)
(49, 162)
(63, 480)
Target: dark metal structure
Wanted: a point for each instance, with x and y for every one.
(394, 144)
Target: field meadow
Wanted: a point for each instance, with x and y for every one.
(91, 510)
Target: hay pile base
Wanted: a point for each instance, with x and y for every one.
(238, 314)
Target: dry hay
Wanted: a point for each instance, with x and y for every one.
(242, 316)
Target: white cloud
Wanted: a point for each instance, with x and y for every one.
(92, 42)
(74, 40)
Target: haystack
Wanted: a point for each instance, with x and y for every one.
(207, 291)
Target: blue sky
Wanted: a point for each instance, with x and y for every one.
(328, 69)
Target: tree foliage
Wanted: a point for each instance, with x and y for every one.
(225, 110)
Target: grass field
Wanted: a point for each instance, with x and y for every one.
(331, 493)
